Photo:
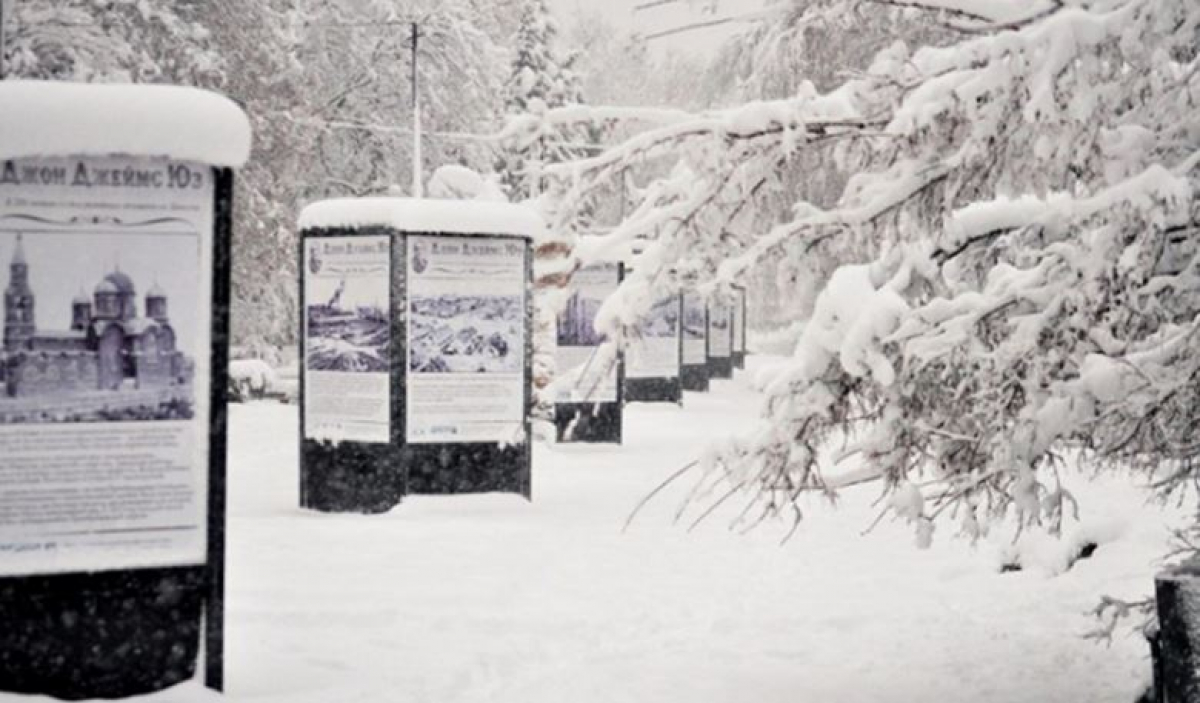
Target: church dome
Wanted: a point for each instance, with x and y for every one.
(156, 291)
(106, 286)
(82, 299)
(123, 283)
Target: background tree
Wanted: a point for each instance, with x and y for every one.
(108, 41)
(328, 98)
(541, 77)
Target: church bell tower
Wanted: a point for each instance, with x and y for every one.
(19, 325)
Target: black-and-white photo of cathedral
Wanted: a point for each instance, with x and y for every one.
(118, 360)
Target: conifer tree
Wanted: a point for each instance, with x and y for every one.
(540, 79)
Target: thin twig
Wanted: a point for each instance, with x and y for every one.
(642, 503)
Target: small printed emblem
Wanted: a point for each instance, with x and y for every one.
(419, 262)
(314, 261)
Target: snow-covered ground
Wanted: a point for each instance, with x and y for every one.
(490, 598)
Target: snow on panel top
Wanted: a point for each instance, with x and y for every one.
(52, 118)
(426, 215)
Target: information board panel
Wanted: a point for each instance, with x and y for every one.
(695, 328)
(465, 372)
(578, 341)
(107, 270)
(720, 334)
(347, 339)
(655, 353)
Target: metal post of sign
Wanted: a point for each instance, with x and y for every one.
(417, 188)
(214, 609)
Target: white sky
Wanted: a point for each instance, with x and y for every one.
(668, 16)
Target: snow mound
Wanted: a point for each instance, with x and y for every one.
(428, 215)
(255, 373)
(1049, 556)
(454, 182)
(44, 118)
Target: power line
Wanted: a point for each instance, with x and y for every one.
(415, 34)
(337, 25)
(395, 22)
(654, 3)
(747, 17)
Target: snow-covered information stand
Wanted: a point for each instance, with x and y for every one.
(416, 350)
(694, 373)
(739, 328)
(720, 338)
(653, 359)
(588, 405)
(115, 227)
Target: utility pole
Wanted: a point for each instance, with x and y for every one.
(414, 37)
(2, 18)
(417, 189)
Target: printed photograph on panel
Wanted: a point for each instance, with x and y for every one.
(719, 320)
(577, 323)
(348, 326)
(663, 320)
(466, 333)
(694, 319)
(98, 325)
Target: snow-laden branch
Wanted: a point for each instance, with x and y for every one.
(1005, 269)
(983, 220)
(801, 117)
(1032, 309)
(983, 15)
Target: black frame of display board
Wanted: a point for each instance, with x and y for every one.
(374, 478)
(663, 389)
(695, 377)
(127, 632)
(598, 423)
(719, 367)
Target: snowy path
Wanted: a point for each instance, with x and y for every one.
(488, 598)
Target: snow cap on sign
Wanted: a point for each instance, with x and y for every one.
(424, 215)
(54, 118)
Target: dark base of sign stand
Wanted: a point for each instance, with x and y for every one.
(350, 477)
(654, 390)
(739, 360)
(694, 378)
(100, 635)
(720, 367)
(588, 422)
(468, 468)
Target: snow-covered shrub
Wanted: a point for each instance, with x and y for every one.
(250, 379)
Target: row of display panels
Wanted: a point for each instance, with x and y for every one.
(680, 330)
(465, 302)
(134, 429)
(107, 364)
